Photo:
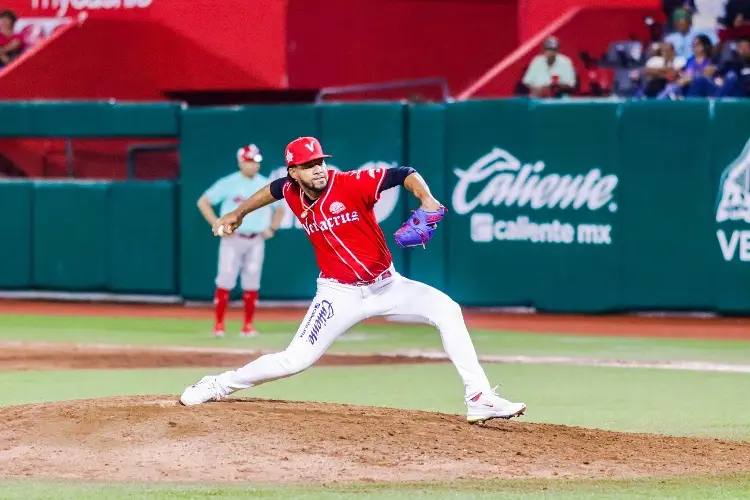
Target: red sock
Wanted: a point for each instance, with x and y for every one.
(249, 298)
(221, 300)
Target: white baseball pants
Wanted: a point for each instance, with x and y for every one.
(337, 307)
(238, 253)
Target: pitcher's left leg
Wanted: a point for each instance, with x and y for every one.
(429, 305)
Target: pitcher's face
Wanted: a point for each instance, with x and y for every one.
(312, 176)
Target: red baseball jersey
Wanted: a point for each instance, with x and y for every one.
(349, 245)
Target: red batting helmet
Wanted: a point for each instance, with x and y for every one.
(302, 150)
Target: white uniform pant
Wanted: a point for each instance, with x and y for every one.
(337, 307)
(238, 253)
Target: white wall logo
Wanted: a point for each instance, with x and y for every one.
(498, 179)
(62, 6)
(734, 205)
(383, 208)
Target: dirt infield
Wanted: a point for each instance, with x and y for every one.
(21, 356)
(155, 439)
(610, 325)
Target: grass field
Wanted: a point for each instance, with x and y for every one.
(688, 403)
(687, 488)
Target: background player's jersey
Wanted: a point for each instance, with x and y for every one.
(231, 191)
(348, 242)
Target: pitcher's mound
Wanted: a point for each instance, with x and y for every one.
(154, 438)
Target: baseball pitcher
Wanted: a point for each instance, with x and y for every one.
(244, 249)
(357, 279)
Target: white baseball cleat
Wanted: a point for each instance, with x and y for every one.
(218, 331)
(488, 405)
(207, 389)
(248, 330)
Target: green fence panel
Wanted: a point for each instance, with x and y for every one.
(666, 199)
(70, 236)
(16, 201)
(89, 119)
(426, 153)
(731, 209)
(486, 140)
(209, 142)
(571, 219)
(565, 206)
(143, 237)
(370, 135)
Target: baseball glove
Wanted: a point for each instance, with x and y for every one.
(419, 228)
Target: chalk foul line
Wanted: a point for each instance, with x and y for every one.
(698, 366)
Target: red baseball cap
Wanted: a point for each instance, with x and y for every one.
(303, 149)
(249, 153)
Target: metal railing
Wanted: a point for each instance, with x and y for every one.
(69, 164)
(134, 149)
(380, 86)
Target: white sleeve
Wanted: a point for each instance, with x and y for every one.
(530, 78)
(568, 74)
(655, 62)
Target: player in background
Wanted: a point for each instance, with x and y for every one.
(244, 250)
(357, 278)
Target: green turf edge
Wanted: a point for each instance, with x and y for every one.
(683, 487)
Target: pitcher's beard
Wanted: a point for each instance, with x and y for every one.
(310, 187)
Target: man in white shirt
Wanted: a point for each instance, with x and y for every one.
(550, 73)
(662, 69)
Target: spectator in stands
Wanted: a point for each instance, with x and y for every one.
(731, 79)
(736, 21)
(736, 14)
(684, 34)
(550, 74)
(670, 6)
(701, 63)
(661, 69)
(11, 44)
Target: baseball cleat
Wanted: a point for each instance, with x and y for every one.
(218, 331)
(249, 330)
(488, 405)
(207, 389)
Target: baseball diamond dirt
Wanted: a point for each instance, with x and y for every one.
(154, 438)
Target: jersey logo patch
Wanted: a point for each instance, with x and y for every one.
(336, 207)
